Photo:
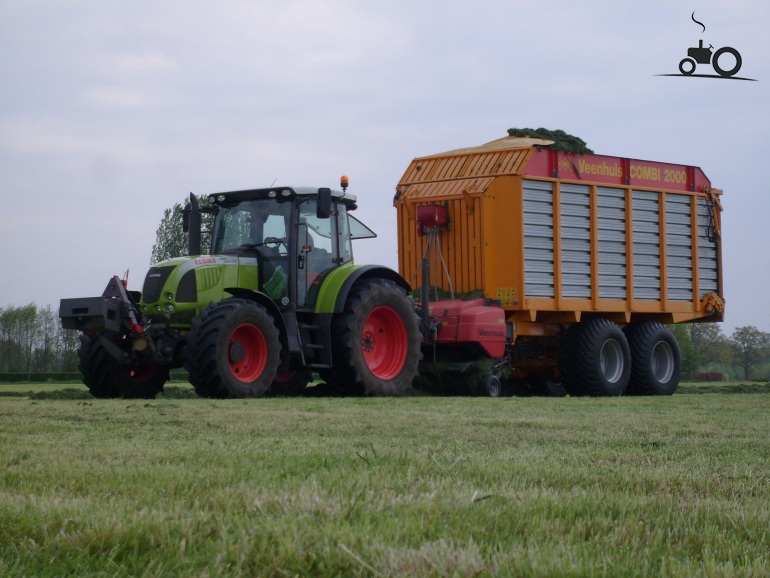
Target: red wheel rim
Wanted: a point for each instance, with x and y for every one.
(384, 343)
(247, 353)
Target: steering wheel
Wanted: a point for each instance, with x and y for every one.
(276, 241)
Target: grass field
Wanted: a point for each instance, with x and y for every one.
(429, 486)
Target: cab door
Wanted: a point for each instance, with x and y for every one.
(317, 250)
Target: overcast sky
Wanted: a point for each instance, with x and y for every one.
(111, 112)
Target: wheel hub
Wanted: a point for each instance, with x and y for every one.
(611, 361)
(236, 352)
(663, 362)
(247, 353)
(367, 342)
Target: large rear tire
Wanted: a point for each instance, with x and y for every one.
(106, 378)
(656, 360)
(598, 360)
(233, 350)
(377, 340)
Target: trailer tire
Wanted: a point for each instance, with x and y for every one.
(376, 341)
(656, 360)
(106, 378)
(233, 350)
(599, 360)
(490, 386)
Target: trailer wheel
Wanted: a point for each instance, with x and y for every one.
(598, 360)
(292, 382)
(376, 340)
(656, 360)
(106, 378)
(233, 350)
(490, 386)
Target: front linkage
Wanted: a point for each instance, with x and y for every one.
(119, 356)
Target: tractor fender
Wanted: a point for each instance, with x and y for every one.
(361, 273)
(266, 302)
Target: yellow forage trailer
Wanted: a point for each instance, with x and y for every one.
(588, 255)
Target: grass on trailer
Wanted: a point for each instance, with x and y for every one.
(432, 486)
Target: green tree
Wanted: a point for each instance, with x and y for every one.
(562, 141)
(32, 339)
(711, 345)
(750, 348)
(690, 360)
(170, 238)
(18, 332)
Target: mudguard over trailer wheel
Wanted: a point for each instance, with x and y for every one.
(596, 359)
(106, 378)
(233, 350)
(377, 340)
(656, 360)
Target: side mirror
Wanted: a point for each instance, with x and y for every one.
(324, 206)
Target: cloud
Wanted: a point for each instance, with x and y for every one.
(141, 63)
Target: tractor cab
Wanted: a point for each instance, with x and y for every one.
(294, 235)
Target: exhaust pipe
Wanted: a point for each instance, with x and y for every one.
(191, 223)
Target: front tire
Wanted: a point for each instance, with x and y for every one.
(656, 360)
(233, 350)
(106, 378)
(376, 341)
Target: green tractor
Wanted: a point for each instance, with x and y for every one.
(277, 299)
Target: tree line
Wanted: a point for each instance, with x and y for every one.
(745, 354)
(32, 340)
